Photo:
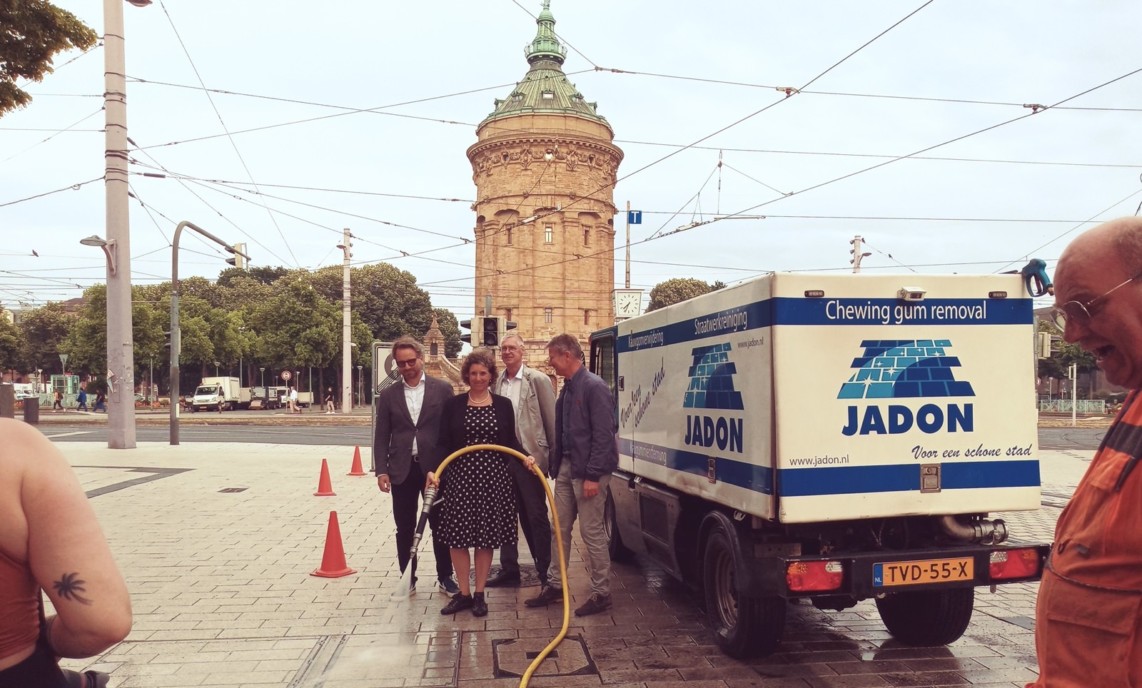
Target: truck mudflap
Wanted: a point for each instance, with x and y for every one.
(872, 574)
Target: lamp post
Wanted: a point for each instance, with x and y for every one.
(360, 384)
(346, 329)
(216, 369)
(120, 346)
(262, 370)
(176, 333)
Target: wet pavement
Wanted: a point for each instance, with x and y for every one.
(217, 542)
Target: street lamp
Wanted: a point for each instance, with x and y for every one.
(360, 384)
(176, 333)
(216, 369)
(262, 370)
(346, 329)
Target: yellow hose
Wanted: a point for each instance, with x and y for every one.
(558, 542)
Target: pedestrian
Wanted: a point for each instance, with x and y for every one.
(533, 399)
(293, 407)
(584, 452)
(50, 541)
(81, 400)
(57, 405)
(1088, 625)
(406, 446)
(478, 506)
(100, 402)
(329, 401)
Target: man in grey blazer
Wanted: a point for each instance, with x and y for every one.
(406, 447)
(533, 397)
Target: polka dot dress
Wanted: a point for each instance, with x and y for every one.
(479, 508)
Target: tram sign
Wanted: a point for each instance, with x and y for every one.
(286, 375)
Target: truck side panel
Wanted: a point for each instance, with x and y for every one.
(694, 398)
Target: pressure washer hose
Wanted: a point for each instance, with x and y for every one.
(558, 542)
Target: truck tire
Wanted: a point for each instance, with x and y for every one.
(743, 626)
(927, 617)
(615, 546)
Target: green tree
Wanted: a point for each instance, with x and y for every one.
(297, 327)
(31, 33)
(43, 332)
(9, 345)
(387, 299)
(450, 328)
(679, 289)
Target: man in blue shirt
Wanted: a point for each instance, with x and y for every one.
(583, 455)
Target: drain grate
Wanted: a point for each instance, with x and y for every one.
(234, 489)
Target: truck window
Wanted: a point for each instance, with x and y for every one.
(603, 361)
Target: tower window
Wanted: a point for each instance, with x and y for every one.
(507, 314)
(509, 235)
(586, 317)
(549, 234)
(548, 95)
(586, 237)
(548, 314)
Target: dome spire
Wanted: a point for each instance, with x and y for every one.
(546, 45)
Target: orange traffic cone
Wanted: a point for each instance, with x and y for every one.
(324, 485)
(356, 469)
(333, 561)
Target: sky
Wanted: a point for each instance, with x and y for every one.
(906, 124)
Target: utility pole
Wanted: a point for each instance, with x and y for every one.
(346, 327)
(858, 255)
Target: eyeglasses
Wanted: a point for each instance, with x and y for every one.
(509, 348)
(407, 363)
(1080, 313)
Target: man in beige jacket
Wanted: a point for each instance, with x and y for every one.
(533, 397)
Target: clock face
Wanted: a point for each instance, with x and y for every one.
(627, 304)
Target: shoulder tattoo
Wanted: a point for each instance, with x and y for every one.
(70, 587)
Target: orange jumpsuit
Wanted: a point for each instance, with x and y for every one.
(1088, 620)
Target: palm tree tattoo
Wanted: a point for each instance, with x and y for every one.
(69, 588)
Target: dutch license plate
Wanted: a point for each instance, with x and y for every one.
(895, 573)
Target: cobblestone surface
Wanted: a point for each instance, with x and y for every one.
(223, 597)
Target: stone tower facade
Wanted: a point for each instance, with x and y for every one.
(545, 168)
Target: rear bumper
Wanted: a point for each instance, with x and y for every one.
(869, 574)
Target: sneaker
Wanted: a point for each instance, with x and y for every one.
(448, 586)
(595, 603)
(479, 606)
(546, 596)
(459, 603)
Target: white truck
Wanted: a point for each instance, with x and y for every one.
(830, 438)
(217, 394)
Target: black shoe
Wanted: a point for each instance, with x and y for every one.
(479, 606)
(504, 579)
(459, 603)
(595, 603)
(545, 597)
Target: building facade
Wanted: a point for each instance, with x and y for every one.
(545, 167)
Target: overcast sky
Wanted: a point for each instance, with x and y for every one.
(399, 178)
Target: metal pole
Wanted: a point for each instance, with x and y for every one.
(627, 282)
(176, 333)
(1074, 394)
(346, 328)
(120, 347)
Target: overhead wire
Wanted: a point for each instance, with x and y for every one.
(221, 121)
(72, 187)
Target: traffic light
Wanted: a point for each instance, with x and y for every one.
(237, 260)
(466, 324)
(490, 331)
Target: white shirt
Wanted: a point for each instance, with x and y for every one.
(510, 387)
(414, 398)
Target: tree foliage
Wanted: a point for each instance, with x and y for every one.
(31, 33)
(9, 344)
(679, 289)
(450, 328)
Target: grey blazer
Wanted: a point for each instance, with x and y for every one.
(535, 414)
(392, 439)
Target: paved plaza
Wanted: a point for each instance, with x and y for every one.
(217, 542)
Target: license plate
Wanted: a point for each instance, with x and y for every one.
(896, 573)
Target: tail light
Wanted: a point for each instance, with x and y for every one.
(808, 576)
(1014, 563)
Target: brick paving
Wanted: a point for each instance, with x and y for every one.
(223, 597)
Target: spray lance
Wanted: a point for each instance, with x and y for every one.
(404, 586)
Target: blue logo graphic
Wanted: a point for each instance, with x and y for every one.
(712, 379)
(905, 368)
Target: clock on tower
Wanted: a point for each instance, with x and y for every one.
(628, 303)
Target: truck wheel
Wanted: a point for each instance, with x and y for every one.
(927, 617)
(743, 626)
(618, 550)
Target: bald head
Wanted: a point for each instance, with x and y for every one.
(1114, 245)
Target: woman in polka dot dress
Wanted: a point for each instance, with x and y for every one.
(479, 508)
